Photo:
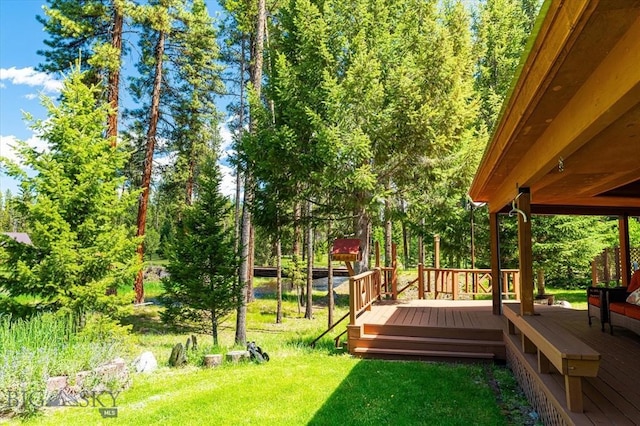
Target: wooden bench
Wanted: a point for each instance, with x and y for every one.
(570, 356)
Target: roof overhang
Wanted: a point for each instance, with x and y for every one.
(570, 130)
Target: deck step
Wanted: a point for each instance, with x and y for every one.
(433, 332)
(431, 345)
(422, 354)
(431, 340)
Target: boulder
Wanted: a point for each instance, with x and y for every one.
(145, 363)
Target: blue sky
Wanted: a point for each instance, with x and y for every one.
(21, 36)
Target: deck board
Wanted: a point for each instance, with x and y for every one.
(609, 398)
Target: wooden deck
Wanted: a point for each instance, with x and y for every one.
(613, 397)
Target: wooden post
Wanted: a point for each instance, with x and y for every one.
(625, 255)
(352, 301)
(454, 285)
(594, 273)
(436, 251)
(350, 269)
(496, 274)
(573, 392)
(525, 252)
(420, 281)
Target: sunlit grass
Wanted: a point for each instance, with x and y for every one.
(300, 385)
(577, 297)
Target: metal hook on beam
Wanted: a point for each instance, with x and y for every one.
(515, 210)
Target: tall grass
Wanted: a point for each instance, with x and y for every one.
(47, 345)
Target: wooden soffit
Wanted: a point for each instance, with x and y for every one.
(570, 130)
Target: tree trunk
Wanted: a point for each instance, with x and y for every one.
(214, 327)
(297, 237)
(278, 278)
(114, 77)
(331, 301)
(241, 317)
(308, 313)
(388, 229)
(190, 181)
(245, 236)
(405, 244)
(240, 130)
(154, 117)
(363, 233)
(252, 257)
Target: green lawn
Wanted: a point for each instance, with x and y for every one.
(300, 385)
(577, 297)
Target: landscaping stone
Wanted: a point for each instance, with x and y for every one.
(192, 343)
(61, 391)
(237, 356)
(177, 357)
(145, 363)
(212, 360)
(56, 383)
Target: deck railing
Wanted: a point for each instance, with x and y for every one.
(364, 289)
(466, 282)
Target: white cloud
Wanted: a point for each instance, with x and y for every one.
(30, 77)
(2, 85)
(226, 138)
(228, 181)
(6, 147)
(8, 143)
(31, 96)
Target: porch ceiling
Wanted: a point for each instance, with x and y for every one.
(570, 131)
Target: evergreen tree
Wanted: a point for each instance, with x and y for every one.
(174, 91)
(71, 206)
(94, 30)
(203, 265)
(502, 29)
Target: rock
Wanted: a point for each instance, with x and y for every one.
(564, 304)
(56, 383)
(237, 356)
(194, 341)
(145, 363)
(178, 356)
(212, 360)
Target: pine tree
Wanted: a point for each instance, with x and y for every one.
(94, 30)
(71, 206)
(203, 264)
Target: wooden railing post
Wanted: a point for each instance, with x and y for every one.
(420, 281)
(352, 301)
(454, 285)
(394, 289)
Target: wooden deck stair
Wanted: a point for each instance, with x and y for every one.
(428, 343)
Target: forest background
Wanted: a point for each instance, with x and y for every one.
(361, 119)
